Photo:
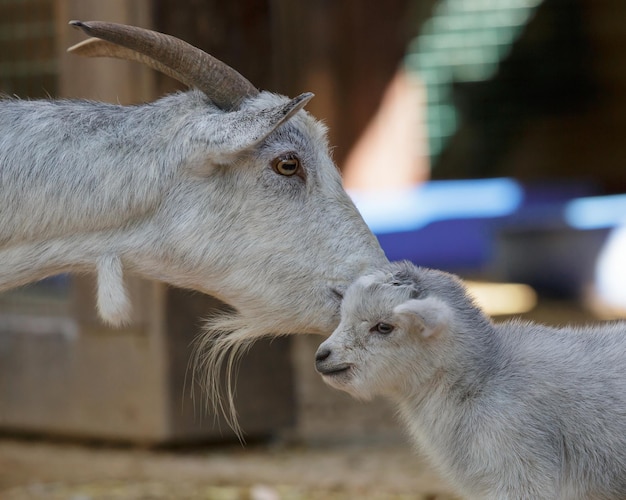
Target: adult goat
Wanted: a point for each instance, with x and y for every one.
(223, 189)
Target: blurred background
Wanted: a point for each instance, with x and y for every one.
(483, 137)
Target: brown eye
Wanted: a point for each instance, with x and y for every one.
(287, 165)
(383, 328)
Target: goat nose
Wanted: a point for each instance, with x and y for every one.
(322, 354)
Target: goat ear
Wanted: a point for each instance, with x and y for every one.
(429, 316)
(241, 130)
(286, 111)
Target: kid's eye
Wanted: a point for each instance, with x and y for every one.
(383, 328)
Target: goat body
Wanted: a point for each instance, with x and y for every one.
(186, 189)
(226, 190)
(507, 411)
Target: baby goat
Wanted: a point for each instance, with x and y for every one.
(506, 411)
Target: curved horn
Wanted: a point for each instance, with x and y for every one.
(222, 84)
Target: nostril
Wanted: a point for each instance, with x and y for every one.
(322, 354)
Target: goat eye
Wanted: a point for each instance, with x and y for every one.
(383, 328)
(287, 165)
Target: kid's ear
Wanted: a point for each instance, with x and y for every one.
(429, 316)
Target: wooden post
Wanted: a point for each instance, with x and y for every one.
(102, 79)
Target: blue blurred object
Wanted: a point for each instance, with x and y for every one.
(413, 209)
(597, 212)
(456, 225)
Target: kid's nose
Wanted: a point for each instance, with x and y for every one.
(322, 354)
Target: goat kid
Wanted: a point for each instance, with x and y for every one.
(514, 410)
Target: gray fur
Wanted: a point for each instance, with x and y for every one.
(180, 191)
(514, 410)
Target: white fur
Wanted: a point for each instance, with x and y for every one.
(506, 411)
(182, 191)
(113, 301)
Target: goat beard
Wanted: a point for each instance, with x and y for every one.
(226, 338)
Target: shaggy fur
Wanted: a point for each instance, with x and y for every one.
(181, 191)
(507, 411)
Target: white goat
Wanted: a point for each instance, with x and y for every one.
(507, 411)
(225, 190)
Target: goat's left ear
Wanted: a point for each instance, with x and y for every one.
(236, 131)
(429, 316)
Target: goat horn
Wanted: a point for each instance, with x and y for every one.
(222, 84)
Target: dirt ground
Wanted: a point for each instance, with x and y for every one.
(38, 470)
